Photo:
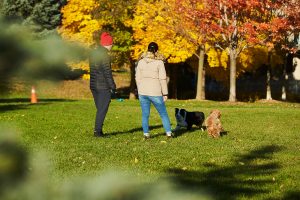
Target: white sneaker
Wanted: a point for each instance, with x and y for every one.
(169, 135)
(146, 135)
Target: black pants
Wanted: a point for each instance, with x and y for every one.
(102, 99)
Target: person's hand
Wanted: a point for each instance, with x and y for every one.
(165, 98)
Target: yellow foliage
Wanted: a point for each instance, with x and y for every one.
(86, 76)
(152, 24)
(249, 60)
(252, 58)
(217, 58)
(84, 65)
(78, 23)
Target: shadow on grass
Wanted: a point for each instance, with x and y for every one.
(27, 100)
(202, 130)
(23, 103)
(11, 107)
(248, 175)
(139, 129)
(294, 195)
(184, 130)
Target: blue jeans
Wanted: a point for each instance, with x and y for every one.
(160, 106)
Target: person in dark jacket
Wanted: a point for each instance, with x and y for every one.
(102, 84)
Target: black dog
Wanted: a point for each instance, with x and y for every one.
(188, 119)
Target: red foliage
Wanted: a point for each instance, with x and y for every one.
(249, 21)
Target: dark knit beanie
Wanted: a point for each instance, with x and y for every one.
(106, 39)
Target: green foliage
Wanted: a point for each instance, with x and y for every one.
(24, 57)
(13, 161)
(47, 14)
(17, 10)
(257, 159)
(42, 16)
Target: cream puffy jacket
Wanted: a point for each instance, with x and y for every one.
(150, 76)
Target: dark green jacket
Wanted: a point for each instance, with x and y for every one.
(100, 70)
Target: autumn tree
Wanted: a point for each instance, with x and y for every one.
(184, 25)
(292, 39)
(78, 23)
(151, 22)
(237, 25)
(281, 23)
(291, 12)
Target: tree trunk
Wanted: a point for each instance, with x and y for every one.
(200, 95)
(283, 93)
(203, 84)
(173, 80)
(132, 94)
(269, 95)
(232, 90)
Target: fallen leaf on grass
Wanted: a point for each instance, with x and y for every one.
(136, 160)
(281, 187)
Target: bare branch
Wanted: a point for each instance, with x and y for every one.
(218, 46)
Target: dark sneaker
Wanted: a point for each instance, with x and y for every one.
(100, 134)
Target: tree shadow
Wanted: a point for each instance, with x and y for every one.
(139, 129)
(27, 100)
(11, 104)
(293, 195)
(248, 175)
(11, 107)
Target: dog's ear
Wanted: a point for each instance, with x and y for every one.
(176, 110)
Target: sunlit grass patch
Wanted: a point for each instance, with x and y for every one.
(258, 158)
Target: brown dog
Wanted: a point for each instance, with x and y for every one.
(213, 124)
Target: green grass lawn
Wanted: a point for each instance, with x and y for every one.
(259, 158)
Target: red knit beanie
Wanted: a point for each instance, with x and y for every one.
(106, 39)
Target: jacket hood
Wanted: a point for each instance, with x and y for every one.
(150, 57)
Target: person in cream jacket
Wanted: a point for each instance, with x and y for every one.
(152, 88)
